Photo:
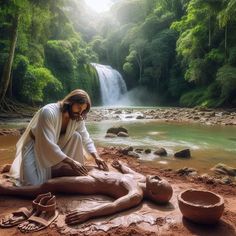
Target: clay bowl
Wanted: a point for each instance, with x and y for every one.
(200, 206)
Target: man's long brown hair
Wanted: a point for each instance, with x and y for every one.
(78, 96)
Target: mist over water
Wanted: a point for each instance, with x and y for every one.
(138, 96)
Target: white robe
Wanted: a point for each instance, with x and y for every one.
(49, 147)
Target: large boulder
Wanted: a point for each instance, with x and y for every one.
(116, 130)
(148, 150)
(185, 153)
(161, 152)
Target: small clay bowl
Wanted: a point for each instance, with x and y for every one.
(200, 206)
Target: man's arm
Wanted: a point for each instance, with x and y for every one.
(133, 198)
(90, 147)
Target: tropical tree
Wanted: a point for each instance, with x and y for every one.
(13, 10)
(226, 16)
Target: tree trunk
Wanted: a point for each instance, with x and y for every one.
(8, 65)
(209, 33)
(226, 39)
(139, 61)
(9, 89)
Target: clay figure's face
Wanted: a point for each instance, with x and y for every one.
(159, 190)
(76, 111)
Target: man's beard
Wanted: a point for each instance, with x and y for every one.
(72, 115)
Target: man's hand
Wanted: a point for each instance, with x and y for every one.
(101, 163)
(79, 168)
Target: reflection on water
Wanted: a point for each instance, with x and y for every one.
(7, 148)
(209, 145)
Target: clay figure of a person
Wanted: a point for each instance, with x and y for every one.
(126, 186)
(55, 138)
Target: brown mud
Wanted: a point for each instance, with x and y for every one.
(146, 219)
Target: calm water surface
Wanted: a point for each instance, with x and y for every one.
(209, 145)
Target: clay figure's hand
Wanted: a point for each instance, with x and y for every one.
(101, 163)
(77, 217)
(116, 164)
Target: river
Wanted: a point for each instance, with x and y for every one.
(209, 145)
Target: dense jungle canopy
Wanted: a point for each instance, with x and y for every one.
(184, 51)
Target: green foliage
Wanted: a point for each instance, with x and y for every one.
(196, 71)
(87, 79)
(35, 54)
(65, 58)
(210, 96)
(226, 76)
(193, 98)
(232, 56)
(128, 67)
(177, 84)
(3, 58)
(97, 45)
(59, 53)
(61, 61)
(40, 24)
(20, 68)
(216, 56)
(228, 13)
(36, 81)
(20, 65)
(178, 48)
(154, 24)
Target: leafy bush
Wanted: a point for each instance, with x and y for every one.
(215, 55)
(20, 68)
(34, 83)
(210, 96)
(86, 78)
(196, 71)
(59, 56)
(191, 99)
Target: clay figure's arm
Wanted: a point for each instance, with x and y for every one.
(132, 199)
(126, 170)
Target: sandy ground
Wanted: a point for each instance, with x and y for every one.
(146, 219)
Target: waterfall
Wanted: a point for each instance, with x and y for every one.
(112, 85)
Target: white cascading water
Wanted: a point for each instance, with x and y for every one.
(112, 84)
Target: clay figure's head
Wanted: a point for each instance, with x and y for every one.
(158, 190)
